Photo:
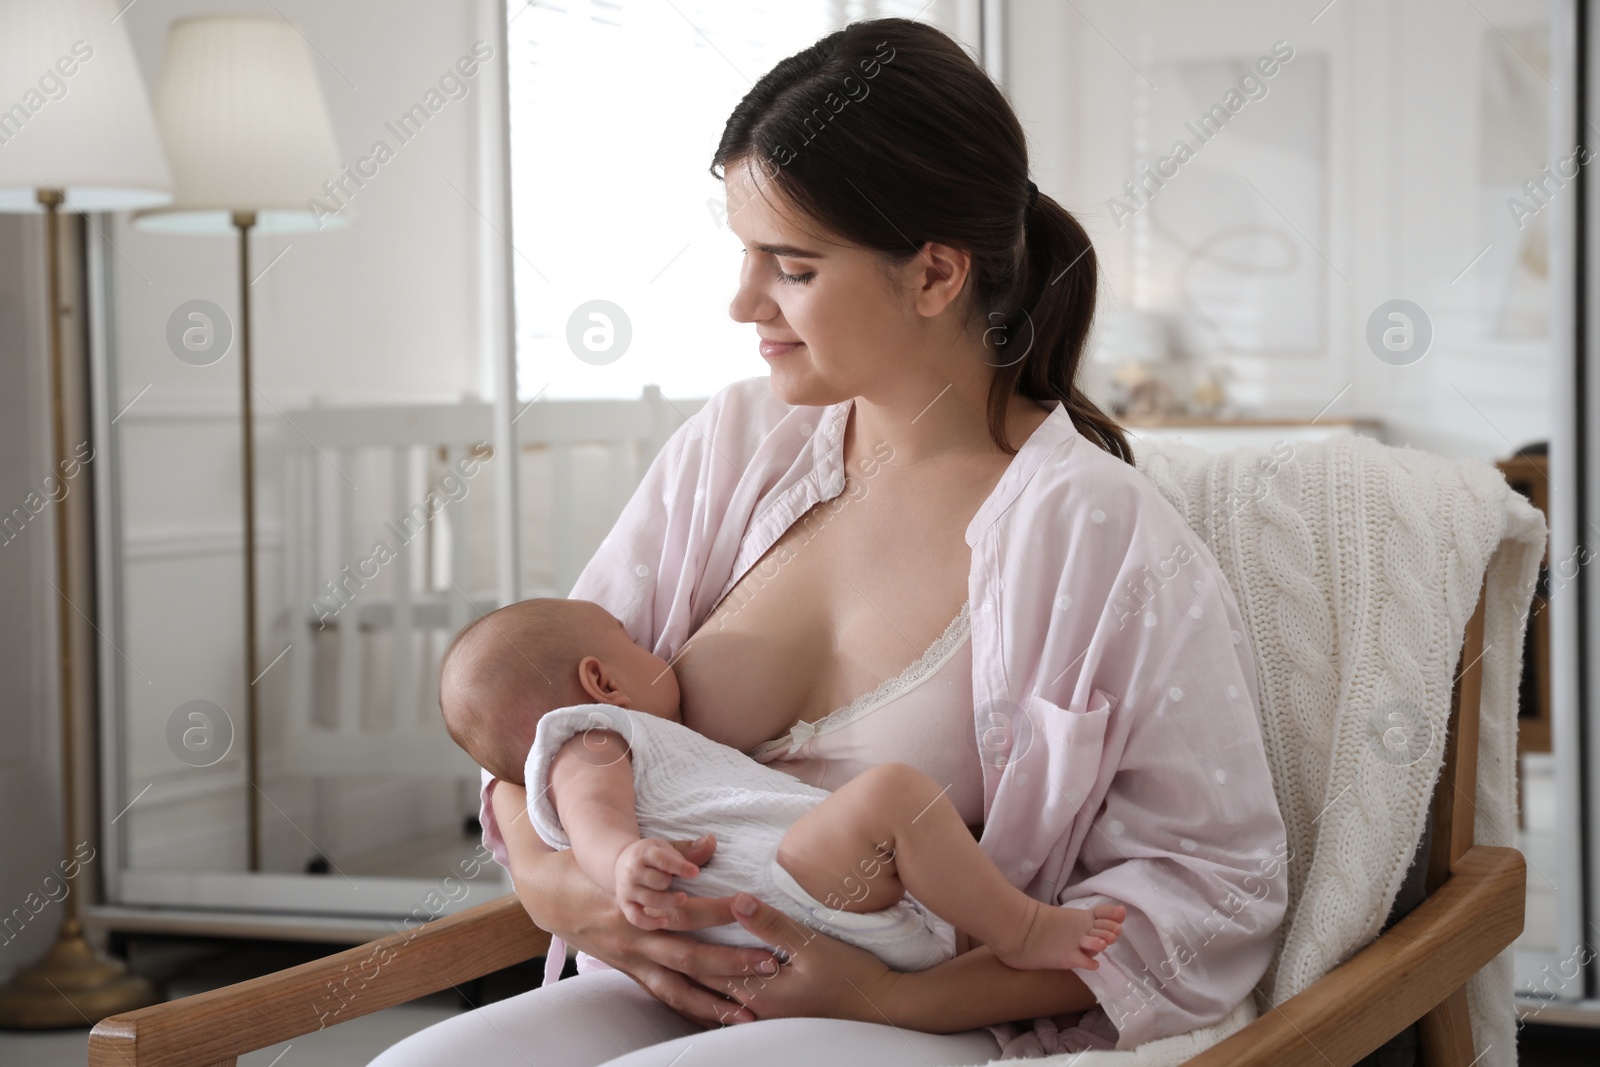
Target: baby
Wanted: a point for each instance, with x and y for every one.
(554, 694)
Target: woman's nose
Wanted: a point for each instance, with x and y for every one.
(750, 303)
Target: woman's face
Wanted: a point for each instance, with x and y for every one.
(834, 320)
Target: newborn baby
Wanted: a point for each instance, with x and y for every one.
(555, 695)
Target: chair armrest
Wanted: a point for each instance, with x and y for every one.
(1395, 980)
(217, 1026)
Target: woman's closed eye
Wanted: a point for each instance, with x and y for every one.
(787, 278)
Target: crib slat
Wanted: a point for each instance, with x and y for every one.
(325, 552)
(457, 529)
(347, 705)
(299, 541)
(289, 511)
(563, 509)
(402, 651)
(623, 478)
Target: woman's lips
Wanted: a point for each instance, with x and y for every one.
(773, 349)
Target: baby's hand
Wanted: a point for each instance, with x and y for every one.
(644, 877)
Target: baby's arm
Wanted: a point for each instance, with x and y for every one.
(591, 788)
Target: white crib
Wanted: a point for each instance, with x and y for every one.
(363, 690)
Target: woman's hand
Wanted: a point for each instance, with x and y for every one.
(682, 972)
(829, 978)
(679, 971)
(821, 976)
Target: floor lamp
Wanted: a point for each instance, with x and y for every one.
(247, 133)
(80, 139)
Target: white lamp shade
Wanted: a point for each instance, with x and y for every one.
(75, 115)
(245, 125)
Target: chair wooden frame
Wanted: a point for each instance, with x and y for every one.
(1417, 969)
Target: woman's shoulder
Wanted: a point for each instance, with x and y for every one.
(1102, 522)
(1086, 490)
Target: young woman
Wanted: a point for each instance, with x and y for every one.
(917, 541)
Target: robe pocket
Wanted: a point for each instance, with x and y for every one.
(1067, 745)
(1050, 791)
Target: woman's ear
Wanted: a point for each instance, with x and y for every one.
(937, 276)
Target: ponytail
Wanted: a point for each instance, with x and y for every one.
(1057, 278)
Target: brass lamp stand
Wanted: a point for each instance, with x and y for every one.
(243, 221)
(72, 985)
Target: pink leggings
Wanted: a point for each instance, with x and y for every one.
(605, 1017)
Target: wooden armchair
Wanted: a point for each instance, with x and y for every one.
(1416, 969)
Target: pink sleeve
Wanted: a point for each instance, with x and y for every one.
(1187, 835)
(491, 828)
(1136, 772)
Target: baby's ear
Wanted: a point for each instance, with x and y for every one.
(595, 680)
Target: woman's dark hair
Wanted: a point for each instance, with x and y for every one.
(888, 134)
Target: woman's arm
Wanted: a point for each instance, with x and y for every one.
(976, 989)
(829, 978)
(676, 969)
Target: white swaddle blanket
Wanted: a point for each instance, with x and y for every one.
(685, 785)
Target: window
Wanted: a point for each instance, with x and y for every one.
(616, 108)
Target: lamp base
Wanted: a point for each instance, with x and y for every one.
(73, 986)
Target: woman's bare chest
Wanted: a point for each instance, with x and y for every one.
(849, 595)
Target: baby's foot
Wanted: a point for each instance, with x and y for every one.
(1056, 937)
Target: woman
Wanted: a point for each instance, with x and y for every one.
(919, 480)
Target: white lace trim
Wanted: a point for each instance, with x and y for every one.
(921, 669)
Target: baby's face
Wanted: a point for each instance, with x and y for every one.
(627, 674)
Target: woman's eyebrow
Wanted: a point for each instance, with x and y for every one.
(789, 252)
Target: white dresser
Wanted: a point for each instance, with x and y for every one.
(1222, 435)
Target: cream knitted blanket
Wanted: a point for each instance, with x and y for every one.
(1356, 566)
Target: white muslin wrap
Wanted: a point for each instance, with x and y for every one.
(685, 785)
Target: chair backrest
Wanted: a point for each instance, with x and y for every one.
(1360, 571)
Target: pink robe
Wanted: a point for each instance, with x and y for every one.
(1115, 693)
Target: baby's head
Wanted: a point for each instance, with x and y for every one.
(503, 672)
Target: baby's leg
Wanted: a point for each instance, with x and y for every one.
(891, 829)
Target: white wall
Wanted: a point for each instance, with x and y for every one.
(1405, 83)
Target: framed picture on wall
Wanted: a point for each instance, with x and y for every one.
(1233, 237)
